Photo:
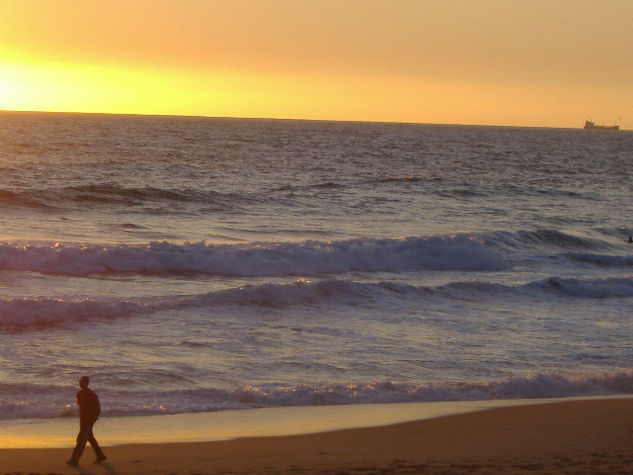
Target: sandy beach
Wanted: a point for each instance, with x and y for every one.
(581, 436)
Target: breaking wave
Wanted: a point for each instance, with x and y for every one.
(26, 401)
(461, 252)
(458, 252)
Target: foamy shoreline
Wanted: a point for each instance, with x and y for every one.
(233, 424)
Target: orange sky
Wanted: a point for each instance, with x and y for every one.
(506, 62)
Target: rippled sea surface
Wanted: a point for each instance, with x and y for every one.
(191, 264)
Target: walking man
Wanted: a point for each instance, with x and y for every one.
(89, 410)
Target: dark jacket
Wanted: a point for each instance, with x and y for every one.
(89, 407)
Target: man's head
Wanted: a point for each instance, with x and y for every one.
(84, 381)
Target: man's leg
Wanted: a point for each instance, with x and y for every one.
(95, 446)
(84, 432)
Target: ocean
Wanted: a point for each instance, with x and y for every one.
(201, 264)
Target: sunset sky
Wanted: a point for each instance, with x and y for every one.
(505, 62)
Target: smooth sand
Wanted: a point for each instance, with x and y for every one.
(233, 424)
(587, 436)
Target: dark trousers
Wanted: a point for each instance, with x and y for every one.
(85, 435)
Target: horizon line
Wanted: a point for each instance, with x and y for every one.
(348, 121)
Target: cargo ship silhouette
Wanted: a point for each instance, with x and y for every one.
(590, 125)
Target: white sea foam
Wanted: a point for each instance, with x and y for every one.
(443, 253)
(26, 401)
(458, 252)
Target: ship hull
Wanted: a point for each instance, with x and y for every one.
(591, 126)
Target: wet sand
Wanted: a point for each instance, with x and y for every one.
(586, 436)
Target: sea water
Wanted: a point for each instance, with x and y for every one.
(200, 264)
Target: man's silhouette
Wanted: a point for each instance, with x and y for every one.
(89, 410)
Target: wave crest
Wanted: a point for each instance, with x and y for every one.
(605, 260)
(614, 287)
(544, 238)
(25, 312)
(458, 252)
(36, 401)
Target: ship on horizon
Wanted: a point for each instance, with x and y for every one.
(590, 125)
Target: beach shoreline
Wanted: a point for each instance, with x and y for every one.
(591, 435)
(230, 424)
